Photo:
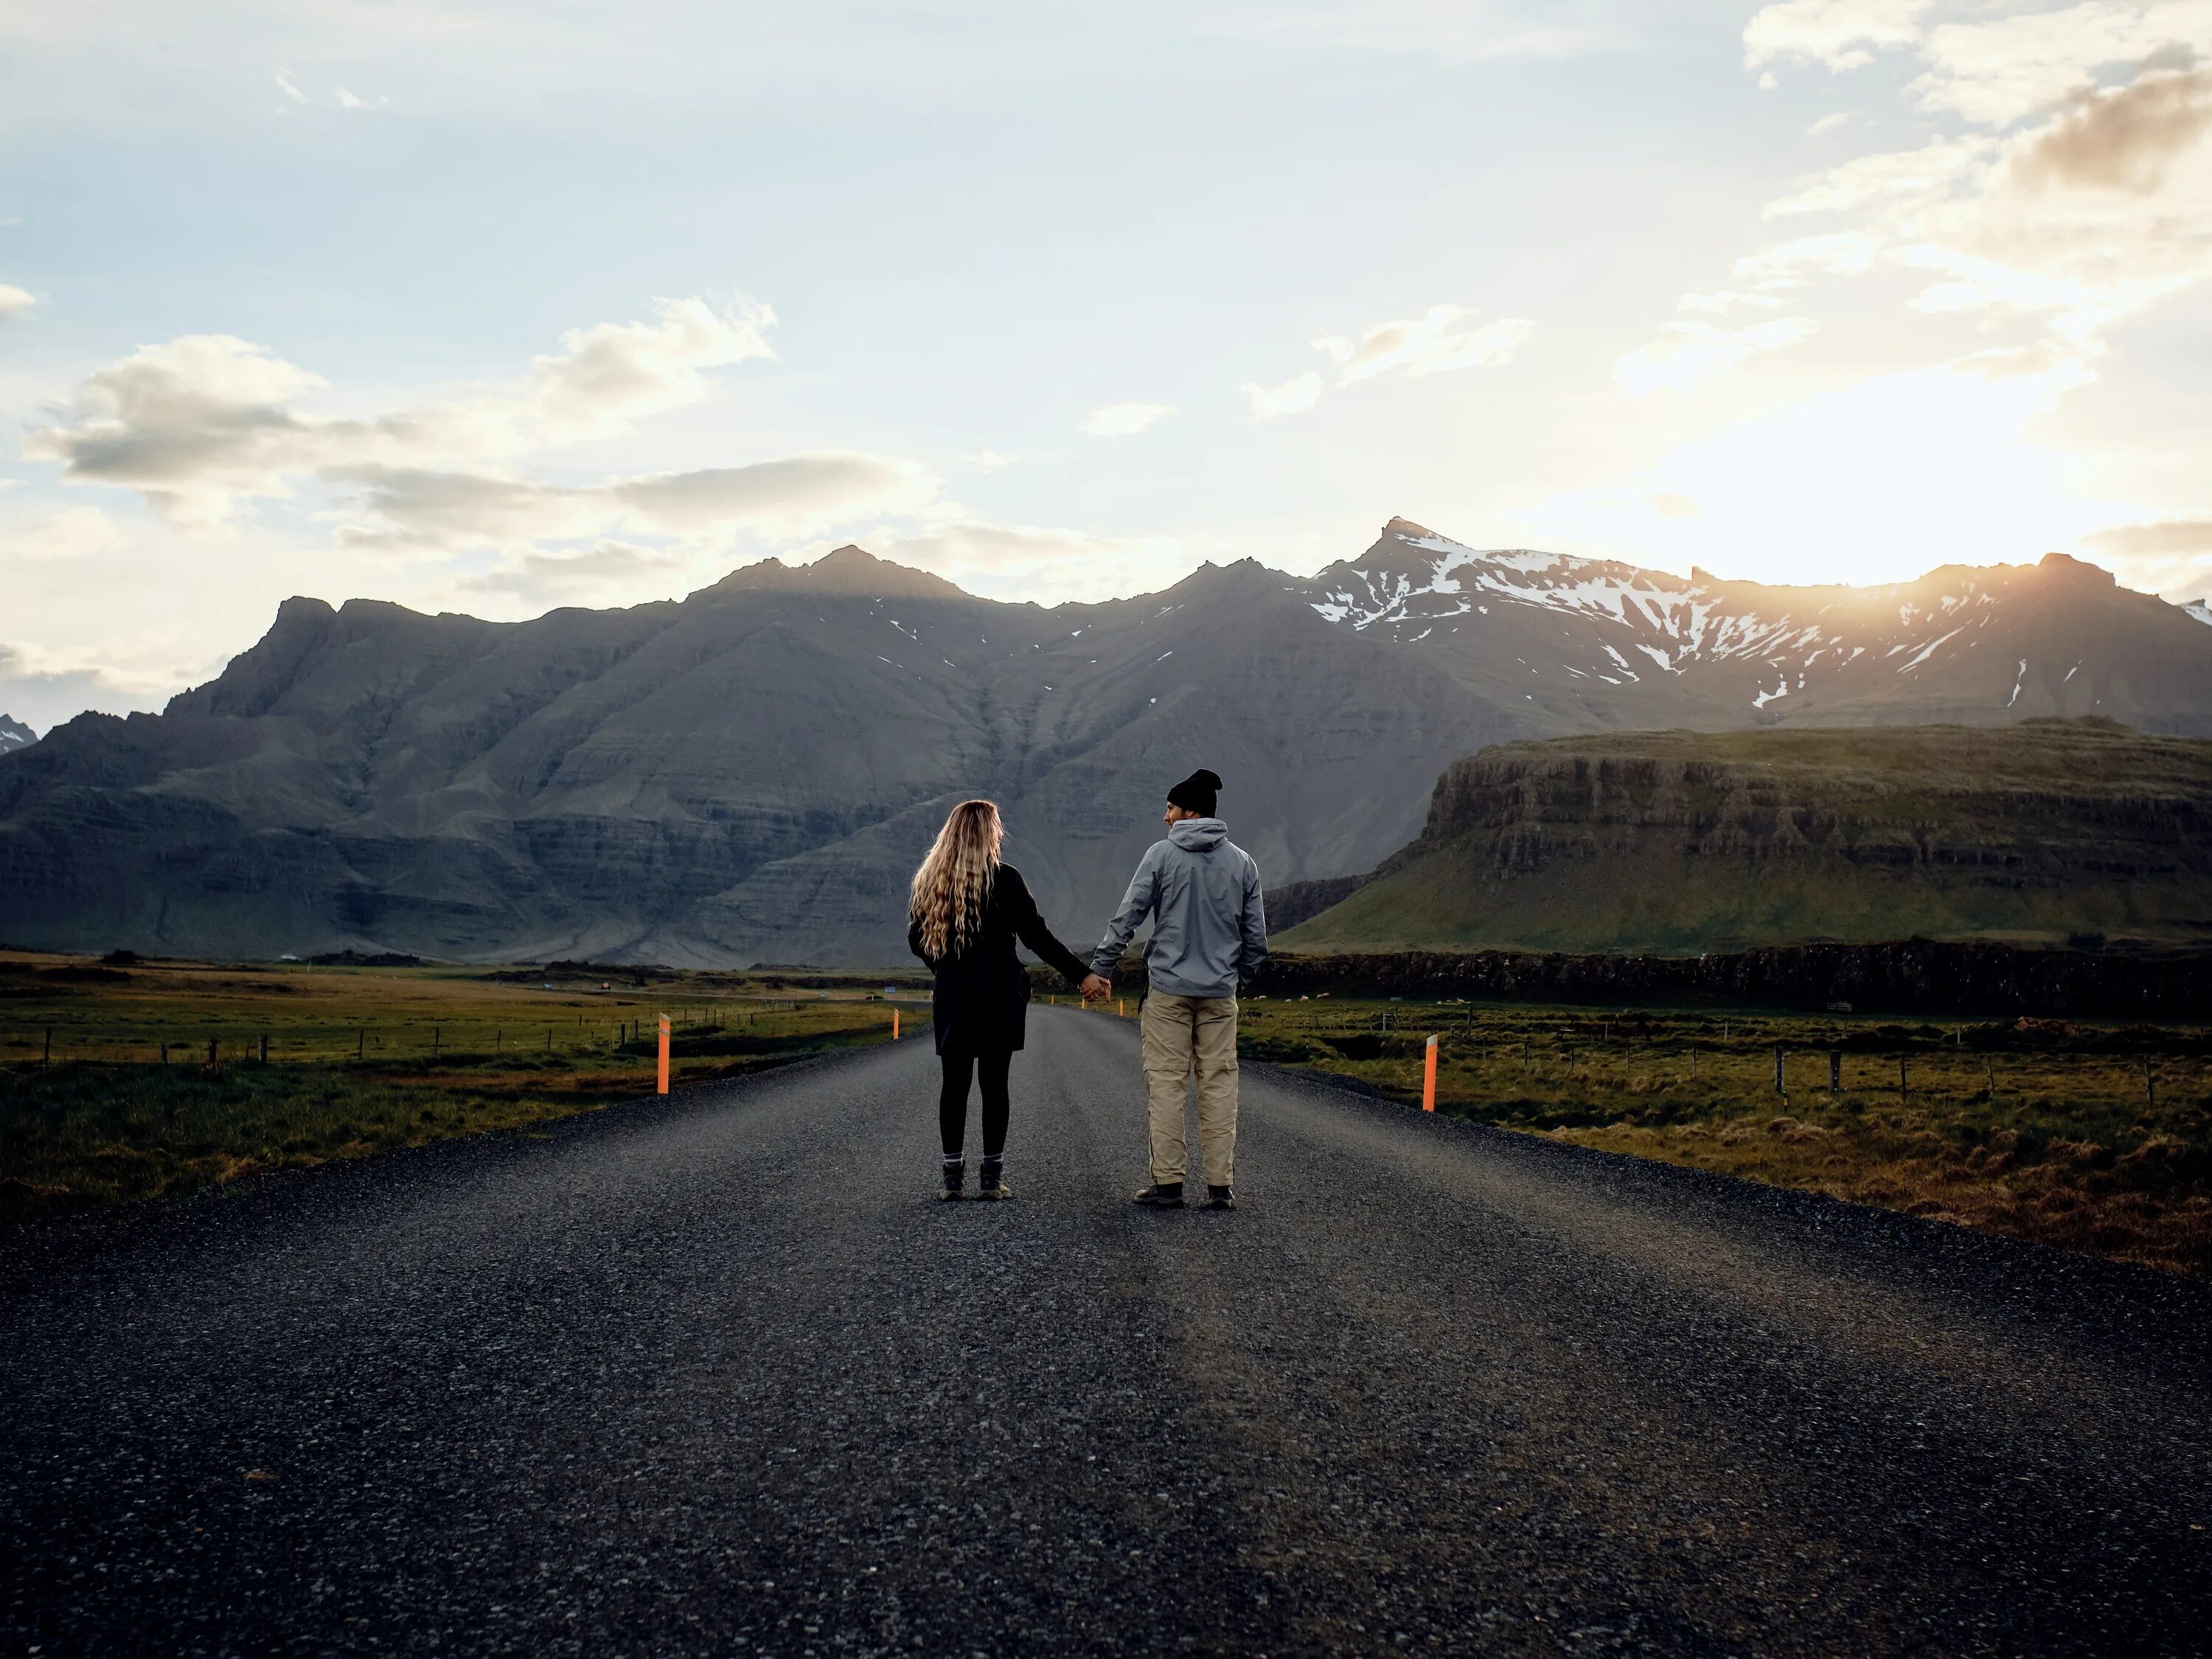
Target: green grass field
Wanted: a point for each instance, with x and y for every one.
(122, 1083)
(2094, 1138)
(131, 1082)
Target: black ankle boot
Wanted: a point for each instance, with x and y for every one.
(990, 1185)
(956, 1172)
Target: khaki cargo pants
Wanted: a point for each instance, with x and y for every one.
(1183, 1034)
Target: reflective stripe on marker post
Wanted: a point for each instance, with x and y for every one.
(1429, 1079)
(664, 1054)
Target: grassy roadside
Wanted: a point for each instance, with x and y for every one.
(119, 1083)
(2091, 1137)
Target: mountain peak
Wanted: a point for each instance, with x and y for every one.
(847, 569)
(2067, 568)
(1407, 528)
(13, 734)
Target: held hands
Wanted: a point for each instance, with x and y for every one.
(1095, 987)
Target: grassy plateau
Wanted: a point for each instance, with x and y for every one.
(2095, 1137)
(130, 1081)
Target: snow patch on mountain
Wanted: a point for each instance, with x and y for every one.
(14, 735)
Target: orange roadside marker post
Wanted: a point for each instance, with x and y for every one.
(664, 1054)
(1120, 1008)
(895, 1014)
(1429, 1079)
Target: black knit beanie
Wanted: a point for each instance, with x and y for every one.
(1196, 793)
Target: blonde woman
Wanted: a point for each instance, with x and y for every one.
(968, 908)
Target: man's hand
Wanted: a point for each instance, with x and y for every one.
(1096, 986)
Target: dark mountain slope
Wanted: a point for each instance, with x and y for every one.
(751, 773)
(1675, 842)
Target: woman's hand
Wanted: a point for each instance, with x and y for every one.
(1095, 987)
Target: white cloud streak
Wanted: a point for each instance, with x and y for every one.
(1294, 397)
(1434, 343)
(1687, 356)
(1843, 34)
(1125, 420)
(75, 533)
(13, 302)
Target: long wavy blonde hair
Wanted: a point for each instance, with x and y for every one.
(954, 884)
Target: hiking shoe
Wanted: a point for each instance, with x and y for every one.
(1220, 1198)
(1165, 1195)
(955, 1173)
(990, 1187)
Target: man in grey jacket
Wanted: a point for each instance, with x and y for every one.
(1209, 936)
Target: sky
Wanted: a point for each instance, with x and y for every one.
(495, 307)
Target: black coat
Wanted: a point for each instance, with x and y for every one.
(981, 1000)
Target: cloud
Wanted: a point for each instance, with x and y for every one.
(1124, 420)
(1686, 355)
(1843, 34)
(1294, 397)
(606, 376)
(1835, 123)
(2160, 537)
(204, 424)
(289, 87)
(2173, 556)
(13, 302)
(1434, 345)
(43, 687)
(545, 578)
(2125, 139)
(989, 460)
(1669, 505)
(75, 533)
(1028, 562)
(1913, 175)
(1997, 70)
(2068, 182)
(794, 496)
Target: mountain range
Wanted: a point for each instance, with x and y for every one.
(2044, 833)
(750, 774)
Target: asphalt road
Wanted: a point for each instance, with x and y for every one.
(716, 1376)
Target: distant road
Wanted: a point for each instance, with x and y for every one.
(715, 1376)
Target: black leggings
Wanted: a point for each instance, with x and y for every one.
(952, 1100)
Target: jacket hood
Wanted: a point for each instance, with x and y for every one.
(1198, 834)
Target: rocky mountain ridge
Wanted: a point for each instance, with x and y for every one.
(13, 734)
(751, 773)
(1588, 644)
(2047, 832)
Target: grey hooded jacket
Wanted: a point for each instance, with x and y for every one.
(1209, 928)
